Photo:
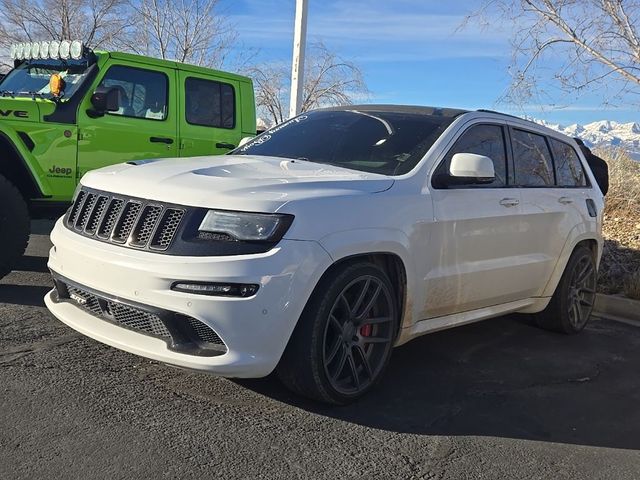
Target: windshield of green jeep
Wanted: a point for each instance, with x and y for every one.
(31, 78)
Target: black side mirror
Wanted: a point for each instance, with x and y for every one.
(104, 100)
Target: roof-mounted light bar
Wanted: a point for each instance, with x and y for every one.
(54, 49)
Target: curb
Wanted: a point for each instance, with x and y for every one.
(617, 308)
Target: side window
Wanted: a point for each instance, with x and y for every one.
(142, 93)
(487, 140)
(569, 170)
(533, 164)
(209, 103)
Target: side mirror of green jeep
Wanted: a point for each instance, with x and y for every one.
(104, 100)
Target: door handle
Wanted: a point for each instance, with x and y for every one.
(565, 200)
(166, 140)
(230, 146)
(509, 202)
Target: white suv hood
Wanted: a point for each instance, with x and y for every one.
(240, 182)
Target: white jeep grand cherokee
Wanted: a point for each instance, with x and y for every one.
(321, 244)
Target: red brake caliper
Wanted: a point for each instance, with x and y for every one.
(365, 330)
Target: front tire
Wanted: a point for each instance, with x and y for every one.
(343, 340)
(14, 226)
(572, 302)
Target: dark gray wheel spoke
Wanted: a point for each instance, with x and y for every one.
(344, 300)
(578, 310)
(375, 339)
(335, 323)
(371, 302)
(588, 291)
(365, 361)
(341, 363)
(354, 369)
(334, 350)
(360, 299)
(377, 320)
(572, 313)
(584, 274)
(586, 303)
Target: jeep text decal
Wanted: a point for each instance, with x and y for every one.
(59, 172)
(16, 113)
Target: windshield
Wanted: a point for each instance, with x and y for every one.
(32, 77)
(389, 143)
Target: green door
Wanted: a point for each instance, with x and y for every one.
(209, 123)
(144, 126)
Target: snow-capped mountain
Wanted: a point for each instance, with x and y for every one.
(605, 132)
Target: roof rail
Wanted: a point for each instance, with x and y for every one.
(485, 110)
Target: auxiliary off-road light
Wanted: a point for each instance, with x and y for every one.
(44, 49)
(65, 49)
(75, 49)
(242, 290)
(35, 50)
(54, 49)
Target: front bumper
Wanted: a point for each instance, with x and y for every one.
(255, 330)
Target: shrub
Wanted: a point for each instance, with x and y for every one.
(620, 267)
(623, 197)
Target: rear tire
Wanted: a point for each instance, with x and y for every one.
(344, 337)
(14, 226)
(572, 302)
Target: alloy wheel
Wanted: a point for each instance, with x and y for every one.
(582, 292)
(358, 335)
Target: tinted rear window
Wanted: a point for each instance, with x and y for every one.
(533, 164)
(389, 143)
(569, 170)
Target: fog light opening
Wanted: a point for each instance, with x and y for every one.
(242, 290)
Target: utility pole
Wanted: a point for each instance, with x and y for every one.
(297, 66)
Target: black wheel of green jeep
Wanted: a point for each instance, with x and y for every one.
(344, 338)
(572, 302)
(14, 226)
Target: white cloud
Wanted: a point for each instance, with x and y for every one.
(404, 30)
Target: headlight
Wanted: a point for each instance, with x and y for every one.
(245, 226)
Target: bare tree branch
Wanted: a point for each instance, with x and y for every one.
(593, 42)
(328, 80)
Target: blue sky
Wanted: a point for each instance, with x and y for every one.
(413, 52)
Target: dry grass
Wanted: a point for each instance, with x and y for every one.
(619, 271)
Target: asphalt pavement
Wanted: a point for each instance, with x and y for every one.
(498, 399)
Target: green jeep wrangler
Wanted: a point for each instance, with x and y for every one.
(65, 110)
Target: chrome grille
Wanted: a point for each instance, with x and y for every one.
(125, 221)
